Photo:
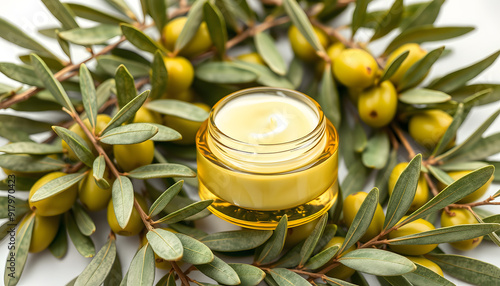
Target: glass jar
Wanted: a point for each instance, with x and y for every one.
(254, 184)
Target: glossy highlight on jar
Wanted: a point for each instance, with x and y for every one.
(267, 152)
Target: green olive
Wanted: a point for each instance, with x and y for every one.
(459, 217)
(186, 128)
(416, 226)
(426, 263)
(335, 50)
(297, 234)
(159, 262)
(134, 225)
(180, 75)
(351, 207)
(377, 105)
(422, 192)
(145, 115)
(341, 271)
(44, 231)
(355, 68)
(130, 157)
(54, 205)
(253, 58)
(91, 195)
(427, 127)
(416, 53)
(477, 194)
(101, 123)
(301, 47)
(200, 43)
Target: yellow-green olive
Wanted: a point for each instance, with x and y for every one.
(91, 195)
(301, 47)
(352, 204)
(134, 225)
(334, 50)
(416, 226)
(426, 263)
(56, 204)
(477, 194)
(415, 54)
(188, 95)
(145, 115)
(427, 127)
(458, 217)
(253, 58)
(180, 75)
(377, 105)
(422, 192)
(186, 128)
(355, 68)
(200, 43)
(295, 235)
(102, 121)
(133, 156)
(44, 231)
(341, 271)
(159, 262)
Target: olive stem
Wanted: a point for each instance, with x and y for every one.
(488, 201)
(404, 141)
(179, 272)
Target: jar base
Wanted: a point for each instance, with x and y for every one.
(268, 220)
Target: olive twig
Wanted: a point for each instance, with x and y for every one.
(178, 270)
(404, 141)
(488, 201)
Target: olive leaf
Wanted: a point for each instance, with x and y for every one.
(89, 95)
(300, 20)
(390, 21)
(59, 246)
(377, 262)
(18, 260)
(440, 175)
(383, 175)
(57, 186)
(482, 149)
(322, 258)
(159, 75)
(295, 72)
(418, 71)
(359, 16)
(470, 90)
(167, 280)
(355, 179)
(248, 274)
(425, 276)
(216, 27)
(328, 97)
(157, 10)
(185, 212)
(423, 96)
(21, 73)
(496, 175)
(99, 34)
(425, 15)
(95, 15)
(83, 220)
(291, 257)
(122, 7)
(239, 240)
(467, 269)
(361, 221)
(266, 76)
(359, 138)
(98, 169)
(391, 69)
(451, 131)
(464, 166)
(13, 207)
(269, 53)
(459, 78)
(377, 151)
(142, 268)
(125, 86)
(165, 133)
(194, 251)
(127, 112)
(139, 39)
(220, 271)
(109, 63)
(453, 193)
(122, 195)
(328, 234)
(115, 274)
(30, 164)
(178, 108)
(359, 279)
(83, 244)
(224, 73)
(194, 19)
(161, 170)
(61, 13)
(129, 134)
(165, 244)
(95, 273)
(76, 143)
(187, 230)
(394, 280)
(30, 126)
(273, 247)
(31, 148)
(312, 240)
(285, 277)
(163, 200)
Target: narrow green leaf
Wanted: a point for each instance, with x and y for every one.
(20, 73)
(239, 240)
(496, 175)
(23, 240)
(110, 63)
(122, 7)
(359, 15)
(470, 90)
(440, 175)
(427, 33)
(178, 108)
(361, 221)
(115, 274)
(61, 13)
(83, 220)
(322, 258)
(98, 168)
(295, 72)
(265, 75)
(159, 75)
(50, 82)
(359, 137)
(95, 15)
(167, 280)
(425, 276)
(465, 166)
(76, 143)
(328, 97)
(30, 164)
(419, 70)
(359, 279)
(355, 179)
(220, 271)
(285, 277)
(30, 126)
(454, 192)
(59, 246)
(338, 282)
(248, 274)
(377, 262)
(395, 280)
(328, 234)
(82, 243)
(467, 269)
(158, 11)
(300, 20)
(194, 251)
(459, 78)
(142, 268)
(161, 170)
(127, 112)
(268, 51)
(273, 247)
(30, 148)
(382, 177)
(123, 199)
(163, 200)
(185, 212)
(194, 19)
(377, 151)
(89, 96)
(451, 131)
(187, 230)
(403, 193)
(165, 244)
(165, 133)
(390, 21)
(394, 66)
(91, 36)
(125, 86)
(95, 273)
(57, 186)
(216, 27)
(482, 149)
(129, 134)
(139, 39)
(312, 240)
(425, 16)
(423, 96)
(224, 73)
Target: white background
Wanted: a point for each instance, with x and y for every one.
(30, 15)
